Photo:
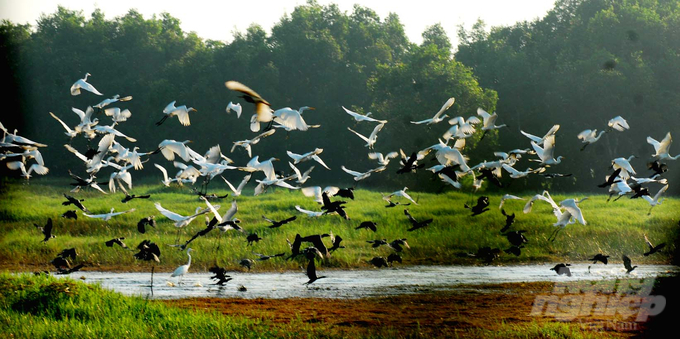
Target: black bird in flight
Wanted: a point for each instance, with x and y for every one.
(415, 223)
(612, 179)
(148, 251)
(130, 197)
(148, 221)
(253, 238)
(393, 257)
(311, 272)
(516, 238)
(369, 225)
(68, 253)
(409, 164)
(333, 206)
(118, 241)
(562, 269)
(516, 250)
(653, 249)
(627, 264)
(263, 257)
(599, 257)
(70, 215)
(275, 224)
(399, 244)
(345, 193)
(335, 240)
(481, 207)
(509, 220)
(70, 270)
(378, 262)
(377, 243)
(77, 202)
(220, 274)
(46, 230)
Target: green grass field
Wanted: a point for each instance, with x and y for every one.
(613, 228)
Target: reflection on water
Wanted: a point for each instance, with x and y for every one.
(354, 283)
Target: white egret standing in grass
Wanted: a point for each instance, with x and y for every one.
(182, 270)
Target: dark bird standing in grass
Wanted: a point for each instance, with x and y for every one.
(276, 224)
(509, 220)
(70, 215)
(415, 224)
(562, 269)
(130, 197)
(46, 230)
(76, 202)
(627, 264)
(481, 207)
(599, 257)
(653, 249)
(369, 225)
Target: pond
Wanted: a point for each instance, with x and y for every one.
(354, 283)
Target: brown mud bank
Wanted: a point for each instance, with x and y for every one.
(468, 311)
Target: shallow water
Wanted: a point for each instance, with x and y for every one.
(354, 283)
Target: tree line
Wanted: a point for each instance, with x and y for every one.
(585, 62)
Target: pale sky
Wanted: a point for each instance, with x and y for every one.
(217, 20)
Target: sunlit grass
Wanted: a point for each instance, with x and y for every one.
(613, 228)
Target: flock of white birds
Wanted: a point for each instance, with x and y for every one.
(24, 155)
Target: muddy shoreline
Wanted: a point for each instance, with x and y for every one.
(468, 311)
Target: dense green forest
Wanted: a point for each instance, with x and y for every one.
(584, 63)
